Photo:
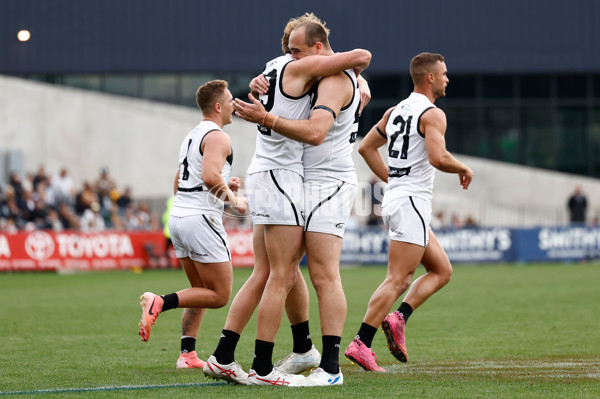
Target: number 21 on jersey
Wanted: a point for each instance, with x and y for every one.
(404, 129)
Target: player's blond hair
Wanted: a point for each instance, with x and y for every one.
(209, 93)
(421, 65)
(293, 23)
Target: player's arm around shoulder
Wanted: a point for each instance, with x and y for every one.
(259, 85)
(365, 92)
(369, 147)
(333, 94)
(433, 126)
(313, 66)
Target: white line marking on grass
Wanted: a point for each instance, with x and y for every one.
(516, 369)
(110, 388)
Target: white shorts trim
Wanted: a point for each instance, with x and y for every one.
(328, 204)
(199, 237)
(276, 197)
(407, 219)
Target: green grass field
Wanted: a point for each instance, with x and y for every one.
(501, 331)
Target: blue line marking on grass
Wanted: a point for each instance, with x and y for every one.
(110, 388)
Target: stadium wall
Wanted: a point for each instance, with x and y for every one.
(139, 141)
(84, 131)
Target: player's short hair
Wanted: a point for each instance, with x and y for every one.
(421, 65)
(291, 25)
(208, 94)
(314, 32)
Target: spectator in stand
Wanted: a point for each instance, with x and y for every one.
(43, 192)
(470, 223)
(85, 198)
(27, 204)
(577, 206)
(39, 214)
(40, 177)
(143, 216)
(27, 182)
(67, 216)
(455, 222)
(103, 187)
(130, 219)
(438, 222)
(125, 199)
(116, 222)
(54, 222)
(8, 226)
(7, 197)
(9, 210)
(15, 183)
(62, 187)
(155, 222)
(92, 220)
(54, 205)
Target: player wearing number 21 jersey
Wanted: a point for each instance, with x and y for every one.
(414, 132)
(409, 171)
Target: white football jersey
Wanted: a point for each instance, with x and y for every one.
(274, 151)
(333, 157)
(409, 170)
(192, 197)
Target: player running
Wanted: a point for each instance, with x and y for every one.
(414, 133)
(196, 222)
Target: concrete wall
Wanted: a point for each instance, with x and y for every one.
(83, 130)
(513, 195)
(139, 142)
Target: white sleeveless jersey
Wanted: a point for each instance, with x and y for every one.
(274, 151)
(333, 157)
(192, 197)
(409, 170)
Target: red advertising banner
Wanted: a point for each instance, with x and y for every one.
(240, 244)
(72, 251)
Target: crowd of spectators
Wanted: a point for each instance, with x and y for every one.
(45, 202)
(440, 222)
